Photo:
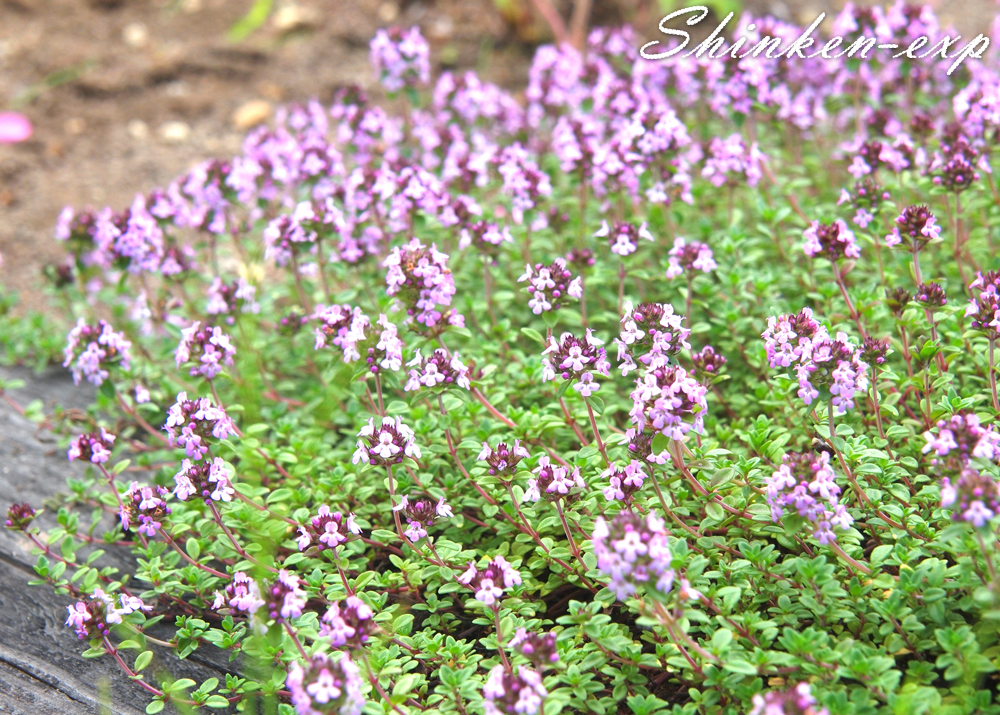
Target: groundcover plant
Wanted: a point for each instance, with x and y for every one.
(668, 387)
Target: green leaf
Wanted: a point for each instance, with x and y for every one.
(737, 665)
(405, 684)
(179, 686)
(158, 705)
(142, 660)
(217, 701)
(403, 625)
(193, 548)
(208, 686)
(253, 20)
(534, 335)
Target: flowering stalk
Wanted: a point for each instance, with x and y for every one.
(597, 433)
(855, 316)
(993, 375)
(232, 539)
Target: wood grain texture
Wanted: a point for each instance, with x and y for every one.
(42, 670)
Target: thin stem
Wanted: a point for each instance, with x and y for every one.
(503, 656)
(878, 413)
(232, 539)
(378, 390)
(678, 460)
(392, 503)
(621, 285)
(574, 549)
(492, 410)
(835, 547)
(203, 567)
(993, 376)
(295, 640)
(986, 555)
(572, 423)
(855, 316)
(597, 434)
(687, 301)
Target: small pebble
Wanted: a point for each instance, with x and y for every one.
(135, 35)
(175, 132)
(251, 114)
(138, 130)
(388, 11)
(75, 126)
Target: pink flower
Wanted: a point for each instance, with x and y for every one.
(14, 127)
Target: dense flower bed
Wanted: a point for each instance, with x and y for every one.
(669, 389)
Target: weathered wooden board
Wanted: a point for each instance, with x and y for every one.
(42, 670)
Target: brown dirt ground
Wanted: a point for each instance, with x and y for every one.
(105, 82)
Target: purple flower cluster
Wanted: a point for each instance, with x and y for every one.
(570, 358)
(867, 197)
(634, 552)
(348, 623)
(730, 161)
(954, 168)
(668, 400)
(207, 480)
(624, 238)
(490, 581)
(190, 423)
(549, 285)
(144, 507)
(833, 364)
(831, 241)
(960, 439)
(509, 693)
(788, 337)
(209, 348)
(340, 326)
(231, 298)
(387, 352)
(523, 181)
(401, 58)
(805, 483)
(707, 362)
(386, 444)
(326, 686)
(874, 350)
(19, 516)
(974, 497)
(420, 514)
(94, 617)
(930, 296)
(420, 279)
(539, 648)
(92, 447)
(486, 237)
(916, 224)
(241, 595)
(502, 462)
(650, 333)
(554, 482)
(984, 306)
(623, 483)
(794, 701)
(437, 371)
(327, 530)
(283, 598)
(91, 351)
(690, 257)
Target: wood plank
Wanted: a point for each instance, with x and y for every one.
(41, 667)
